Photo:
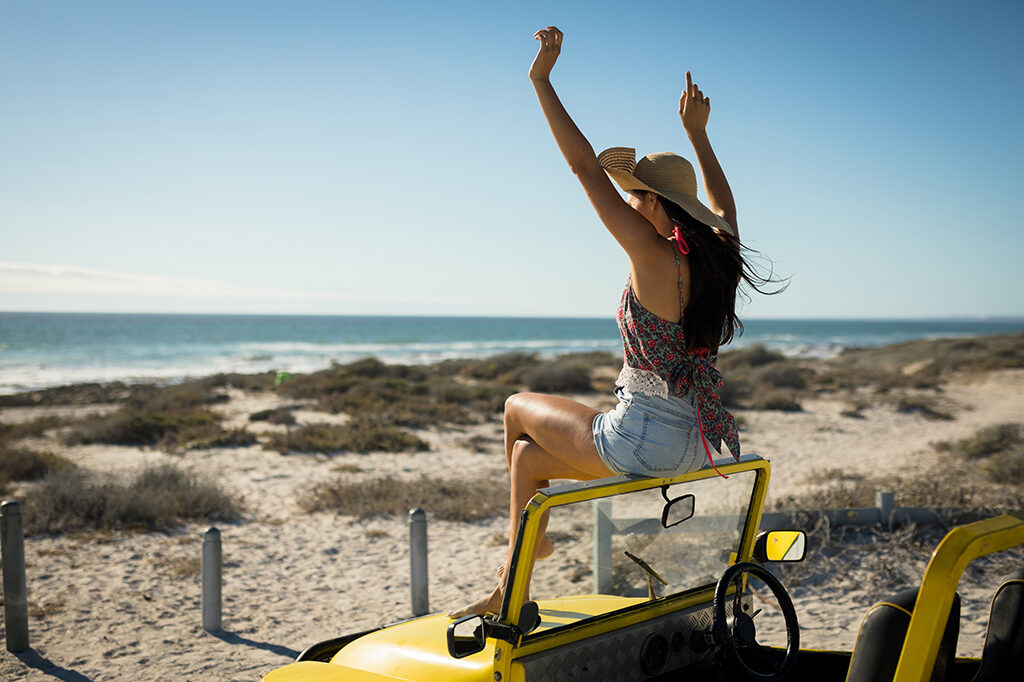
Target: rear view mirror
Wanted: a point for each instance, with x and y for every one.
(466, 636)
(677, 509)
(780, 545)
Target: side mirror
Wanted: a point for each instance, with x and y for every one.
(466, 636)
(780, 545)
(677, 509)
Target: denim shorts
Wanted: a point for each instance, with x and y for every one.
(649, 435)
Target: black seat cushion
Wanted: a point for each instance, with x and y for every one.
(880, 640)
(1003, 655)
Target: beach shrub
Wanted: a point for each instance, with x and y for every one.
(1000, 449)
(735, 391)
(933, 490)
(448, 500)
(783, 374)
(924, 406)
(504, 367)
(593, 359)
(32, 428)
(72, 394)
(558, 376)
(1006, 466)
(776, 400)
(402, 395)
(988, 441)
(159, 496)
(21, 464)
(251, 383)
(746, 358)
(855, 410)
(205, 436)
(358, 435)
(132, 426)
(277, 415)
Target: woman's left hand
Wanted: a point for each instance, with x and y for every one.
(550, 46)
(694, 107)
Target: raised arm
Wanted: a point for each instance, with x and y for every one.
(694, 109)
(630, 229)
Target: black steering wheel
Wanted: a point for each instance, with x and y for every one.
(738, 639)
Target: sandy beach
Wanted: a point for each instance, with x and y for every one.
(113, 604)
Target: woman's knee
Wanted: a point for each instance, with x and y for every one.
(524, 452)
(517, 402)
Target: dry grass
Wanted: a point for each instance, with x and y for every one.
(401, 395)
(32, 428)
(182, 566)
(998, 450)
(170, 419)
(159, 496)
(559, 376)
(759, 379)
(278, 415)
(21, 464)
(358, 435)
(448, 500)
(878, 561)
(953, 486)
(780, 401)
(925, 406)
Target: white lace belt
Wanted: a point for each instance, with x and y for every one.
(642, 381)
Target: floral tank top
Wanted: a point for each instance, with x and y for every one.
(653, 344)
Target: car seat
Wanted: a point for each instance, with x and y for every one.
(1002, 658)
(880, 640)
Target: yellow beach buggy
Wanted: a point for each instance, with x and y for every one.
(677, 582)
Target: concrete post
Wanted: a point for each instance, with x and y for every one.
(211, 579)
(886, 503)
(12, 546)
(418, 562)
(603, 546)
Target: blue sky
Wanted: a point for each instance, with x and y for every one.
(391, 158)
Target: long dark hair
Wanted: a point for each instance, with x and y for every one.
(717, 267)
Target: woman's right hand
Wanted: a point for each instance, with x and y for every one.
(550, 45)
(694, 108)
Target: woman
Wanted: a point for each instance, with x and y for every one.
(684, 258)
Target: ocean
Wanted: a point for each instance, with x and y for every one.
(47, 349)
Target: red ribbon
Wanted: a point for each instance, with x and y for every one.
(684, 248)
(707, 450)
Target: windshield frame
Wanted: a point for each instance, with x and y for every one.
(556, 496)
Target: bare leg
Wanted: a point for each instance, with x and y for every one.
(545, 437)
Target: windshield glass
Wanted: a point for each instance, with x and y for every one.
(590, 572)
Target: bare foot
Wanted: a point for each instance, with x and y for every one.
(489, 604)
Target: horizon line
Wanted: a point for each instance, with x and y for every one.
(944, 318)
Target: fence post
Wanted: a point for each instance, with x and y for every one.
(418, 562)
(12, 546)
(211, 579)
(603, 546)
(886, 503)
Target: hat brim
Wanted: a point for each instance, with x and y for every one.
(629, 182)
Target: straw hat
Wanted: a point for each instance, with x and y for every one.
(666, 174)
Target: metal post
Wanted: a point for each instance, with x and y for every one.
(886, 503)
(418, 561)
(12, 546)
(211, 579)
(603, 546)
